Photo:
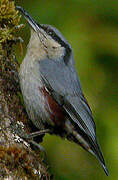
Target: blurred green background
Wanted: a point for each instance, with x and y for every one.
(91, 27)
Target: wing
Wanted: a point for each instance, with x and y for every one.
(63, 82)
(64, 86)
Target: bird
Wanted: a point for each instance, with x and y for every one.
(51, 89)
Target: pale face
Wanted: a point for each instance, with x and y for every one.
(41, 46)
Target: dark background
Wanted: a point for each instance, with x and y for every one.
(91, 27)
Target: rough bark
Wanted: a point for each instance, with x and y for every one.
(17, 159)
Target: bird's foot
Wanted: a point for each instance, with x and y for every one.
(37, 133)
(18, 129)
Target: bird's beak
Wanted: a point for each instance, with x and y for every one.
(29, 19)
(36, 27)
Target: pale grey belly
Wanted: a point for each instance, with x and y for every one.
(34, 99)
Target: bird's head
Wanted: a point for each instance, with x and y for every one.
(47, 38)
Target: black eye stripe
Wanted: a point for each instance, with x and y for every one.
(54, 36)
(59, 40)
(48, 31)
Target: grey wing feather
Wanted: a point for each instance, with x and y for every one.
(63, 81)
(59, 77)
(64, 84)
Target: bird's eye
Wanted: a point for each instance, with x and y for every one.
(54, 47)
(50, 32)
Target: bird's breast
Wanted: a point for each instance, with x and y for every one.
(40, 105)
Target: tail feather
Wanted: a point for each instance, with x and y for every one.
(99, 156)
(96, 151)
(87, 143)
(105, 169)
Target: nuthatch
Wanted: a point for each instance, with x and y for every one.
(51, 88)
